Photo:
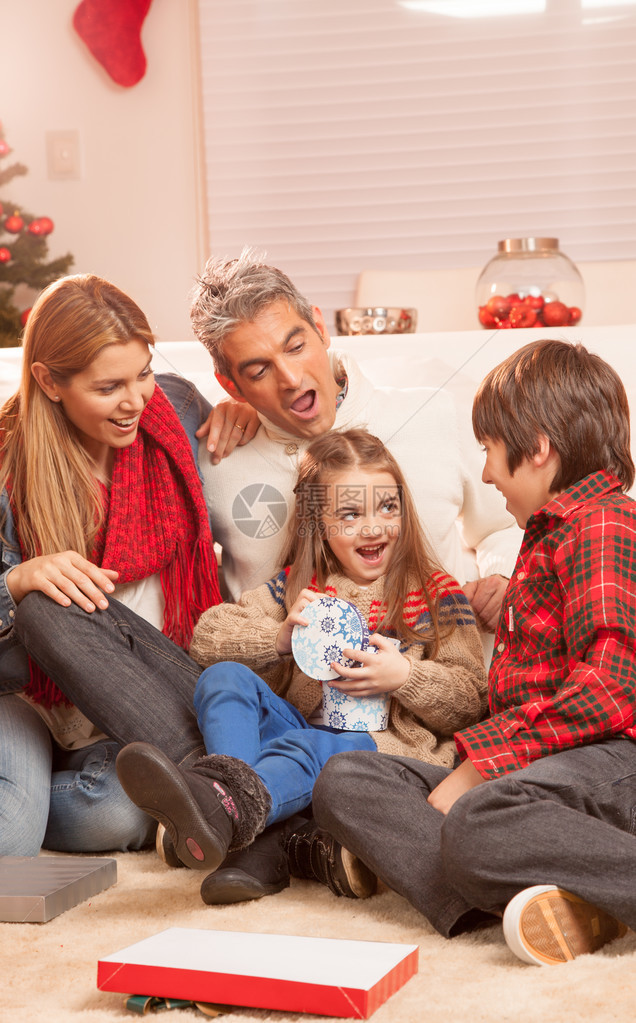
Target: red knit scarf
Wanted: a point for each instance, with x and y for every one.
(155, 521)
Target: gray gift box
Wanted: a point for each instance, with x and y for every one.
(34, 889)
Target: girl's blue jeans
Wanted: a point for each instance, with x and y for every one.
(68, 801)
(240, 716)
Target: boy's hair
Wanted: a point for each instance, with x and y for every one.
(231, 292)
(307, 550)
(570, 395)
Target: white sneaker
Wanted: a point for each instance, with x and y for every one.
(546, 925)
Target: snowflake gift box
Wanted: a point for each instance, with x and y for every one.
(335, 625)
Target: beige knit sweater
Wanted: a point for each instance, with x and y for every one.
(438, 698)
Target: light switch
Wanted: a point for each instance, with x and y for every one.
(63, 155)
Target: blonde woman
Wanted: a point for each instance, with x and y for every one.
(99, 497)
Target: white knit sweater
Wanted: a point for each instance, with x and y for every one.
(250, 493)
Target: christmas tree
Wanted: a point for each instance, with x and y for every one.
(23, 251)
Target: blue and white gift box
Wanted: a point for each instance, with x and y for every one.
(333, 626)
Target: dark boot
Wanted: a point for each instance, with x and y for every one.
(251, 873)
(316, 856)
(217, 804)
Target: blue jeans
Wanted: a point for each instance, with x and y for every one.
(240, 716)
(68, 801)
(132, 683)
(568, 819)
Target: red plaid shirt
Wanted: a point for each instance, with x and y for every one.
(564, 669)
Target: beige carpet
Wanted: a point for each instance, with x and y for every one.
(48, 971)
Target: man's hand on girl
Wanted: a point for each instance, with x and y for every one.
(295, 617)
(485, 596)
(230, 424)
(66, 578)
(381, 672)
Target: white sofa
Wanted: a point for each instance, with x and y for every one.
(455, 360)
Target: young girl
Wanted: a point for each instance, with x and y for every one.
(355, 535)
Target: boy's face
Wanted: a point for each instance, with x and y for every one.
(527, 489)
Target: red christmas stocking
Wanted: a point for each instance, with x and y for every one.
(112, 31)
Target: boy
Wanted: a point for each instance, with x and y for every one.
(539, 818)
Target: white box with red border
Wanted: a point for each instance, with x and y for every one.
(324, 976)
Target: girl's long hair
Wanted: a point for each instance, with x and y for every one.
(55, 498)
(307, 552)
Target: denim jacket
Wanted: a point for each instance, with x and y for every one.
(192, 409)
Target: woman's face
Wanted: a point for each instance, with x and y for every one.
(104, 401)
(362, 522)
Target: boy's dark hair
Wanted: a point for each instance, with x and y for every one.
(567, 393)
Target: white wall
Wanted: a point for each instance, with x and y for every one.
(132, 216)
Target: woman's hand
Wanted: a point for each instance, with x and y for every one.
(381, 672)
(455, 784)
(66, 578)
(283, 639)
(229, 425)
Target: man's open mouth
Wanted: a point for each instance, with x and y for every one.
(305, 405)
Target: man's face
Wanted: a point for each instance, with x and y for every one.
(280, 366)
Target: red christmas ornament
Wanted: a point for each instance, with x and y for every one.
(522, 316)
(41, 225)
(5, 255)
(4, 148)
(14, 224)
(24, 316)
(556, 314)
(499, 307)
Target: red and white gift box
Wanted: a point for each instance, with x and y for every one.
(324, 976)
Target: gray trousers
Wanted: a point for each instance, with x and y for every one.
(568, 819)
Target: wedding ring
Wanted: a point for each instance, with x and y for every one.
(237, 427)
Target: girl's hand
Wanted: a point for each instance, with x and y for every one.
(66, 578)
(230, 424)
(383, 672)
(283, 639)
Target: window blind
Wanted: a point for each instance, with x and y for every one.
(343, 135)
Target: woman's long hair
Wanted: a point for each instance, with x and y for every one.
(55, 498)
(307, 551)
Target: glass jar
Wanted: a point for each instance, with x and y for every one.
(529, 283)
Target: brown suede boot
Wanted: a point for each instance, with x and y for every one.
(215, 805)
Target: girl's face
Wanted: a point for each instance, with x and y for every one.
(362, 522)
(104, 401)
